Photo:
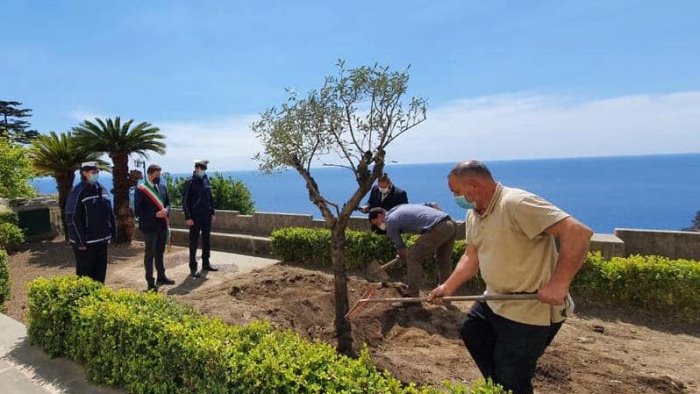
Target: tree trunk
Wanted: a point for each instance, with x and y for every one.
(343, 329)
(121, 197)
(64, 184)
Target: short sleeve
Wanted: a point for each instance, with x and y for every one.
(468, 225)
(534, 215)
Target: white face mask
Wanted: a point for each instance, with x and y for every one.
(384, 190)
(382, 226)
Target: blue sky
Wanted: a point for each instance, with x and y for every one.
(504, 79)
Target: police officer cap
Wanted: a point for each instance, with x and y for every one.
(90, 165)
(203, 163)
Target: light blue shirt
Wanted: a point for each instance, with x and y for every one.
(411, 218)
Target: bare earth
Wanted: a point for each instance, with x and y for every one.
(597, 351)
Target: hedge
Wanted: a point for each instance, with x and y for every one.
(652, 283)
(658, 284)
(149, 343)
(9, 217)
(312, 246)
(4, 279)
(10, 233)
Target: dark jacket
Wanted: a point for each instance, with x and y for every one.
(196, 198)
(146, 210)
(89, 215)
(396, 196)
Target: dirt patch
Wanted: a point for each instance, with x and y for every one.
(600, 350)
(422, 345)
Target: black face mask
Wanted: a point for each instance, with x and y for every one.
(156, 180)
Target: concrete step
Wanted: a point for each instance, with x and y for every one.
(225, 242)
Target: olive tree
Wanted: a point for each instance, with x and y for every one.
(349, 122)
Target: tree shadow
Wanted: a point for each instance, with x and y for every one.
(50, 254)
(57, 253)
(636, 316)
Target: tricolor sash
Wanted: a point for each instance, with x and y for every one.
(152, 193)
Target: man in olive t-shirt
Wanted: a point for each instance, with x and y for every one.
(510, 240)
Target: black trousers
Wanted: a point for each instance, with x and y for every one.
(155, 247)
(91, 262)
(202, 224)
(504, 350)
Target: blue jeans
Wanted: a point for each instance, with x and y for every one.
(504, 350)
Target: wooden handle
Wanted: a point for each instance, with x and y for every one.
(391, 263)
(482, 297)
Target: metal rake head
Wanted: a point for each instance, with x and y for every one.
(361, 304)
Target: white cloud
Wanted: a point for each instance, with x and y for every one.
(515, 126)
(227, 142)
(523, 126)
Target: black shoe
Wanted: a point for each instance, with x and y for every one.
(165, 281)
(208, 267)
(152, 288)
(195, 274)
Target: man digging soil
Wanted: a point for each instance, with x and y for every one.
(511, 241)
(437, 237)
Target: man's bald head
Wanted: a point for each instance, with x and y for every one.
(472, 180)
(469, 169)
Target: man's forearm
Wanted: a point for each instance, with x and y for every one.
(465, 270)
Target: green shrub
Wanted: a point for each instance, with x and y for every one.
(313, 247)
(653, 283)
(10, 236)
(231, 194)
(148, 343)
(670, 287)
(15, 171)
(52, 306)
(228, 193)
(4, 279)
(9, 217)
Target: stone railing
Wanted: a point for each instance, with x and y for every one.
(625, 242)
(249, 233)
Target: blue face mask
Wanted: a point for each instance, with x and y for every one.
(463, 203)
(93, 178)
(156, 180)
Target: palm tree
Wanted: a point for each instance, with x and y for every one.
(58, 155)
(120, 141)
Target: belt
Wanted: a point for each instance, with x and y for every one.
(446, 218)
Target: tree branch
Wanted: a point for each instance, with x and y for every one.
(339, 166)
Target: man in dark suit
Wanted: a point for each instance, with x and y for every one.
(152, 207)
(384, 195)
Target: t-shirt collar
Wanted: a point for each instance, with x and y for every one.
(494, 200)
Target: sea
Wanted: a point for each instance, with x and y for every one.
(646, 192)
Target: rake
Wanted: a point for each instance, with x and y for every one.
(367, 298)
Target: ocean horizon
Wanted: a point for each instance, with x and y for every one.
(659, 192)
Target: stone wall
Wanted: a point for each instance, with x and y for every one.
(262, 223)
(672, 244)
(41, 206)
(248, 234)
